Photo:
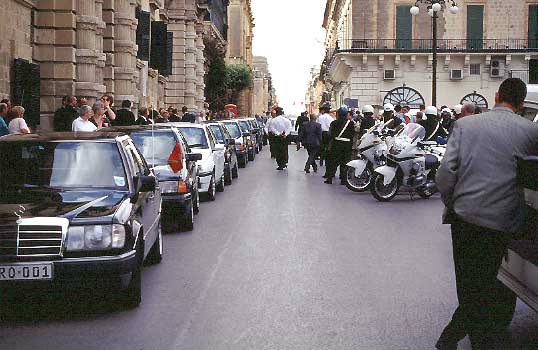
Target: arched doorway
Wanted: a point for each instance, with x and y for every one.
(404, 96)
(475, 98)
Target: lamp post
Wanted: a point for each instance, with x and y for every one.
(434, 7)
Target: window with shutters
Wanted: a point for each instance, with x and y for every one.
(533, 26)
(159, 51)
(475, 69)
(404, 27)
(475, 26)
(142, 34)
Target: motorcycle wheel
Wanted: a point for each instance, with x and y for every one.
(381, 192)
(360, 183)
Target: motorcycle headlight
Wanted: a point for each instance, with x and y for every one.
(168, 186)
(95, 237)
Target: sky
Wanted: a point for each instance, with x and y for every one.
(289, 34)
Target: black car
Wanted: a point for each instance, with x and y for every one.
(241, 141)
(77, 209)
(252, 143)
(231, 166)
(178, 177)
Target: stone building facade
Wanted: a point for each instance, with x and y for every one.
(240, 36)
(261, 90)
(378, 52)
(88, 48)
(315, 91)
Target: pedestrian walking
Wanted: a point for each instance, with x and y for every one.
(341, 136)
(280, 128)
(270, 137)
(124, 117)
(65, 115)
(17, 124)
(484, 210)
(310, 138)
(303, 118)
(325, 120)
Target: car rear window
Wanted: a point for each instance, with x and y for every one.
(60, 165)
(244, 125)
(218, 133)
(233, 128)
(156, 147)
(196, 137)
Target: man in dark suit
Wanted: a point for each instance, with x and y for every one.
(310, 137)
(187, 117)
(65, 115)
(124, 117)
(174, 117)
(143, 117)
(485, 206)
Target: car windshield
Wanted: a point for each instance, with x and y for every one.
(60, 165)
(244, 125)
(195, 137)
(218, 133)
(157, 148)
(233, 129)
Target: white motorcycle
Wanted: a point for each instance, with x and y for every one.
(411, 166)
(373, 150)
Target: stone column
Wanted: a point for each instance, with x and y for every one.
(101, 59)
(175, 88)
(190, 65)
(200, 67)
(108, 45)
(54, 50)
(125, 50)
(86, 54)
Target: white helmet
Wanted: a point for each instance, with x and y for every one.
(431, 110)
(446, 110)
(457, 109)
(389, 107)
(368, 109)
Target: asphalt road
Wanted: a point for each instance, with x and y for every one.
(279, 261)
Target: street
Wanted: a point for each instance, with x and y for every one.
(279, 261)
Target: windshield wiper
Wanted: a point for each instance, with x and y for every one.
(194, 145)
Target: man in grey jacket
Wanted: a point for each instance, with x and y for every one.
(310, 136)
(477, 181)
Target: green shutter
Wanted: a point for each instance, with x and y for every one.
(475, 26)
(404, 27)
(533, 26)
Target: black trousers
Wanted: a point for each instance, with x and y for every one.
(271, 138)
(313, 152)
(478, 253)
(339, 156)
(324, 151)
(280, 149)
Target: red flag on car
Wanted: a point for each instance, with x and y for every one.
(175, 160)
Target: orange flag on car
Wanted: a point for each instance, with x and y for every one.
(175, 160)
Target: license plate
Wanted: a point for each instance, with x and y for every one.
(26, 272)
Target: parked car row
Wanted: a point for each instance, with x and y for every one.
(90, 208)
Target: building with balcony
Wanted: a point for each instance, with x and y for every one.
(377, 52)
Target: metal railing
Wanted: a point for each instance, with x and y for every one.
(521, 74)
(443, 45)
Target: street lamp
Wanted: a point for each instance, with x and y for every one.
(434, 7)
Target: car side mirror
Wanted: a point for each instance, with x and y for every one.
(145, 183)
(527, 171)
(193, 157)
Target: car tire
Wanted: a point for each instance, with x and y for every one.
(221, 184)
(211, 194)
(228, 176)
(242, 162)
(251, 156)
(196, 204)
(187, 222)
(235, 171)
(155, 255)
(131, 297)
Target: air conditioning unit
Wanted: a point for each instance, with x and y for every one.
(389, 74)
(497, 69)
(456, 74)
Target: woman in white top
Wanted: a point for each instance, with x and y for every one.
(82, 123)
(17, 125)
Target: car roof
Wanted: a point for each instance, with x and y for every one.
(130, 129)
(185, 125)
(64, 136)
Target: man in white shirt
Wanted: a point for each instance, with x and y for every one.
(325, 119)
(269, 136)
(82, 123)
(279, 128)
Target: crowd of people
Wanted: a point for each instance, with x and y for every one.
(333, 138)
(12, 119)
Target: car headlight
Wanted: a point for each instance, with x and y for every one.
(168, 186)
(95, 237)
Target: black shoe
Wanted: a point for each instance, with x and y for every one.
(315, 169)
(280, 168)
(325, 176)
(446, 345)
(307, 171)
(329, 181)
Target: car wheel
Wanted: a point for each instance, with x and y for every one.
(211, 194)
(228, 176)
(196, 205)
(155, 255)
(131, 297)
(187, 224)
(242, 162)
(235, 171)
(221, 184)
